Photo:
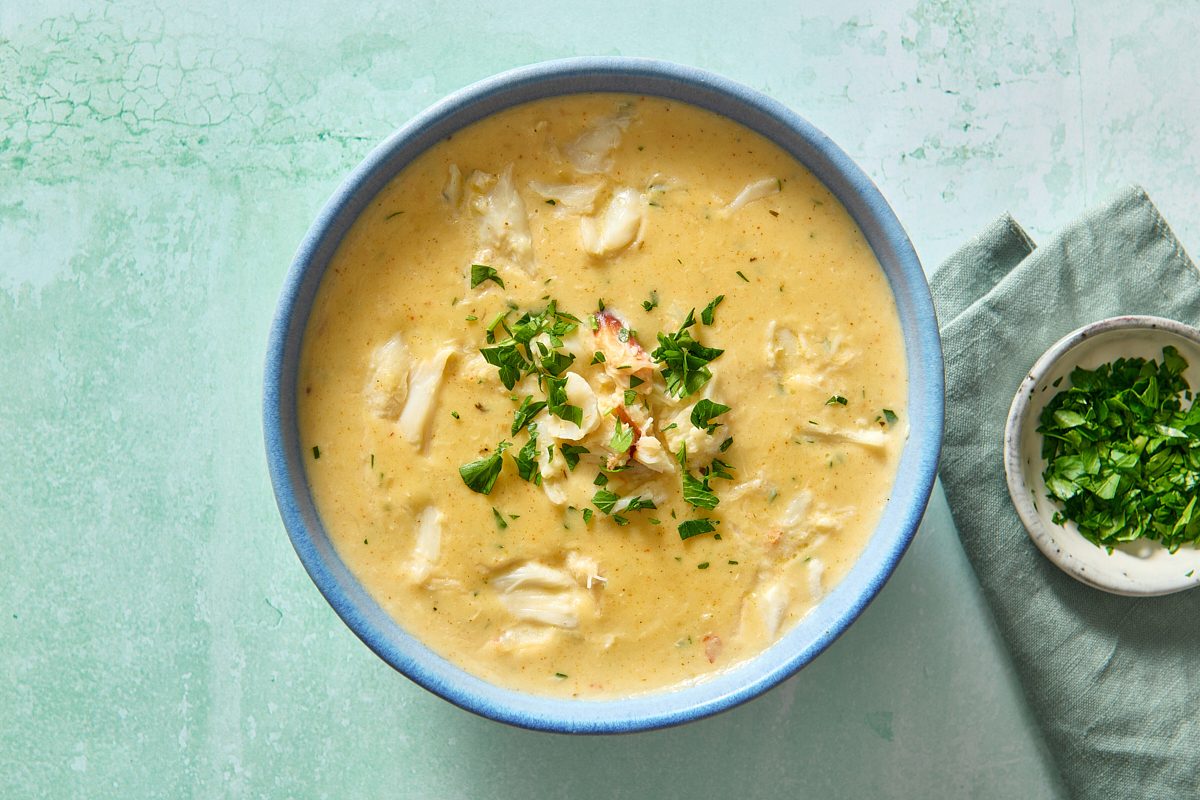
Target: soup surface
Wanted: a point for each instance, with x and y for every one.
(602, 394)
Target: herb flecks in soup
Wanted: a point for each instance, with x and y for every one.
(608, 393)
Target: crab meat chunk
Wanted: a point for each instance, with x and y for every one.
(423, 386)
(503, 223)
(617, 226)
(387, 386)
(623, 354)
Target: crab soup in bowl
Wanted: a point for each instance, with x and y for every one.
(591, 408)
(602, 393)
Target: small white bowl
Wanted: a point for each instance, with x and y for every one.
(1142, 568)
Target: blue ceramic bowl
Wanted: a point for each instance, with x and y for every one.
(840, 607)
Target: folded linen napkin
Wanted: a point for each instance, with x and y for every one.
(1113, 681)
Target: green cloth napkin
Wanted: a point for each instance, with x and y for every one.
(1113, 681)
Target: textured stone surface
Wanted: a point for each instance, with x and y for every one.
(158, 165)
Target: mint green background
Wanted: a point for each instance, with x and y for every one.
(159, 163)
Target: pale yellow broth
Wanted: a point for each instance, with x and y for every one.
(667, 612)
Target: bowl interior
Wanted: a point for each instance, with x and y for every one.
(900, 517)
(1134, 568)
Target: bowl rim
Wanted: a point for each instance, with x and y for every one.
(1113, 581)
(810, 636)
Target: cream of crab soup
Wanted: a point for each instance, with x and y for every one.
(602, 395)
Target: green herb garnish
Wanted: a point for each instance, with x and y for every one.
(685, 360)
(622, 438)
(482, 272)
(500, 523)
(652, 303)
(706, 316)
(528, 410)
(316, 452)
(1122, 455)
(605, 500)
(571, 454)
(526, 457)
(703, 413)
(696, 527)
(480, 476)
(556, 397)
(837, 399)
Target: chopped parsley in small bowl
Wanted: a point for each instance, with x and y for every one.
(1102, 455)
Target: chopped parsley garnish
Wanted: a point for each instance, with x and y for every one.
(528, 410)
(622, 438)
(742, 275)
(639, 503)
(587, 515)
(556, 362)
(719, 469)
(630, 397)
(500, 523)
(455, 415)
(889, 416)
(706, 316)
(652, 303)
(696, 527)
(703, 413)
(571, 453)
(556, 396)
(605, 500)
(728, 443)
(482, 272)
(684, 359)
(635, 381)
(702, 565)
(490, 331)
(526, 458)
(507, 358)
(1122, 455)
(597, 357)
(600, 480)
(480, 476)
(697, 492)
(836, 399)
(316, 452)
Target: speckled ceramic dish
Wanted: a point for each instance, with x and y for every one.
(1136, 568)
(837, 610)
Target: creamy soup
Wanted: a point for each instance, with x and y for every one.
(601, 395)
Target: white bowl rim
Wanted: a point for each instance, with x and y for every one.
(1113, 581)
(902, 513)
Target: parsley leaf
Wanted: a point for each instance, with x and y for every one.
(508, 360)
(836, 399)
(528, 410)
(480, 476)
(652, 303)
(696, 527)
(556, 396)
(605, 500)
(697, 492)
(639, 502)
(622, 438)
(706, 316)
(482, 272)
(571, 453)
(500, 523)
(703, 413)
(526, 458)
